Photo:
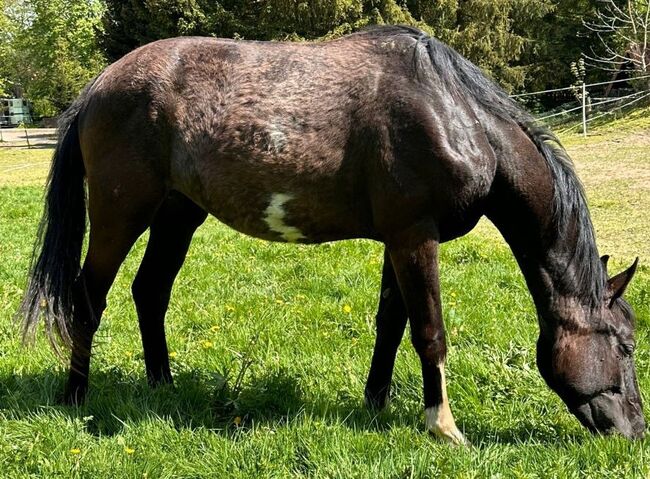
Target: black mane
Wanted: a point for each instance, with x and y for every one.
(569, 203)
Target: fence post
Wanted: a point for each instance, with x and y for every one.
(584, 109)
(27, 136)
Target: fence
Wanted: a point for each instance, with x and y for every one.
(586, 106)
(28, 137)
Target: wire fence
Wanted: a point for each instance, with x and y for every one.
(582, 107)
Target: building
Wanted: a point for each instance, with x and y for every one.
(14, 111)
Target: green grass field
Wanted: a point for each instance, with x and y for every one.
(271, 344)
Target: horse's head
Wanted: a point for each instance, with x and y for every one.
(591, 366)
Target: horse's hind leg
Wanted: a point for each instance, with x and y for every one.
(416, 266)
(171, 234)
(106, 251)
(120, 210)
(391, 322)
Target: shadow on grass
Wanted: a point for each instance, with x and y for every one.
(200, 400)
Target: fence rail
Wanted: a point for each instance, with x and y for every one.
(585, 104)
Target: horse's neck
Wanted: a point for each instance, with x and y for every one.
(521, 206)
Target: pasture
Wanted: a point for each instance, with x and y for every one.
(271, 343)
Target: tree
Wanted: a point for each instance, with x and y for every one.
(7, 35)
(51, 49)
(491, 33)
(554, 42)
(623, 33)
(488, 32)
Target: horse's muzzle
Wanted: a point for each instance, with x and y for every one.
(609, 412)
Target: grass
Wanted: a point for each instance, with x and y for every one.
(271, 345)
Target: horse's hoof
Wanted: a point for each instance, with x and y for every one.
(160, 381)
(74, 396)
(441, 424)
(376, 402)
(453, 437)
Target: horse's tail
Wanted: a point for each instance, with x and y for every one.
(56, 257)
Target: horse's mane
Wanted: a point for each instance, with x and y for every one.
(569, 204)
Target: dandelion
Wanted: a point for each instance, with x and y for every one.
(206, 344)
(279, 301)
(347, 308)
(75, 450)
(237, 421)
(128, 450)
(173, 354)
(215, 328)
(129, 354)
(230, 308)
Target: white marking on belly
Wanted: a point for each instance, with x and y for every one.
(275, 214)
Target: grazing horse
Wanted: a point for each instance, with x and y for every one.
(385, 134)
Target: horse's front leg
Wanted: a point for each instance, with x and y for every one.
(416, 267)
(391, 322)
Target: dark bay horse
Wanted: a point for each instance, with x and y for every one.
(385, 134)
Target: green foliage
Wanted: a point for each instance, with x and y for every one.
(51, 47)
(6, 35)
(523, 44)
(52, 50)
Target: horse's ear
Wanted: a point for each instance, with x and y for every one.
(616, 285)
(603, 260)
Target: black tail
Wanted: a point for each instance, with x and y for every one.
(57, 252)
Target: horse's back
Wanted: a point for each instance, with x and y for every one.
(285, 141)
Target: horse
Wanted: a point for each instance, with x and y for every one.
(385, 134)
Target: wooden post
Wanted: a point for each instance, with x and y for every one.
(584, 109)
(26, 135)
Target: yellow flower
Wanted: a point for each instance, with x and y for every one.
(206, 344)
(237, 421)
(230, 308)
(129, 354)
(347, 308)
(215, 328)
(75, 450)
(128, 450)
(279, 301)
(173, 354)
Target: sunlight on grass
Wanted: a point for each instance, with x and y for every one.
(22, 167)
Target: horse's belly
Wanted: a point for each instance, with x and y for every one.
(291, 215)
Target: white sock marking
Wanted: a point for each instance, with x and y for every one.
(439, 419)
